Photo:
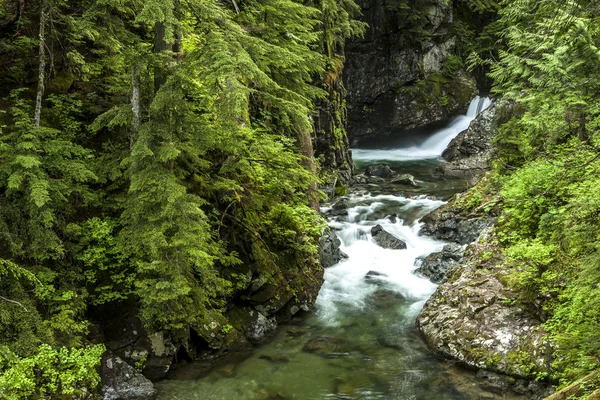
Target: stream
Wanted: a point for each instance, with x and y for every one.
(361, 341)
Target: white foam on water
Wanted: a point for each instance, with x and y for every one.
(434, 146)
(345, 284)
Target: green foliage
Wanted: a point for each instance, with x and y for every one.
(547, 164)
(173, 162)
(49, 372)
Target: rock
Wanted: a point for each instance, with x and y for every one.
(360, 179)
(339, 208)
(476, 319)
(326, 346)
(260, 327)
(385, 239)
(128, 339)
(502, 384)
(469, 153)
(436, 265)
(450, 224)
(329, 249)
(253, 324)
(374, 277)
(392, 218)
(120, 381)
(395, 81)
(383, 298)
(380, 170)
(405, 179)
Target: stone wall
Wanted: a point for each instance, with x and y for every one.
(395, 75)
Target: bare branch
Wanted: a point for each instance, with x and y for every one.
(14, 302)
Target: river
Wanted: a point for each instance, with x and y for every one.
(361, 341)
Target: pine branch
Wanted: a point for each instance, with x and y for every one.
(14, 302)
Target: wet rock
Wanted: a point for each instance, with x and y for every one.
(391, 77)
(340, 208)
(385, 239)
(329, 249)
(120, 381)
(374, 277)
(469, 153)
(502, 384)
(436, 265)
(128, 339)
(392, 218)
(380, 170)
(326, 346)
(451, 224)
(274, 359)
(405, 179)
(476, 319)
(384, 299)
(362, 179)
(253, 324)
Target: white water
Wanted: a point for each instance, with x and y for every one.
(345, 286)
(432, 147)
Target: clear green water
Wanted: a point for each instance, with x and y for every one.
(361, 342)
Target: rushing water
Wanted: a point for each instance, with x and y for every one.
(361, 342)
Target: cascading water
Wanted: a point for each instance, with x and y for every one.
(361, 343)
(432, 147)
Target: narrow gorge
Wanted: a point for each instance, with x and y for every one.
(299, 199)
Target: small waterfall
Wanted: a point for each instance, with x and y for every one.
(434, 146)
(345, 284)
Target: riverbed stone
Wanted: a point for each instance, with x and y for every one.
(385, 239)
(436, 265)
(405, 179)
(120, 381)
(380, 170)
(326, 346)
(384, 299)
(329, 249)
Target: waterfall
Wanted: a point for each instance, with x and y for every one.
(434, 145)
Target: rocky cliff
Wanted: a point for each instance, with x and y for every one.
(403, 74)
(475, 317)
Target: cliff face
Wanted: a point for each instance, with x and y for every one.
(402, 74)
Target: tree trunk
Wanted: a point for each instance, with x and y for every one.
(135, 102)
(42, 67)
(178, 34)
(306, 149)
(160, 44)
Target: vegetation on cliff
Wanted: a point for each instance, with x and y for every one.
(154, 152)
(546, 169)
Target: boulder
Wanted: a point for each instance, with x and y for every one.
(405, 179)
(469, 153)
(326, 346)
(362, 179)
(385, 239)
(436, 265)
(475, 319)
(380, 170)
(120, 381)
(384, 298)
(339, 208)
(329, 249)
(449, 223)
(374, 277)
